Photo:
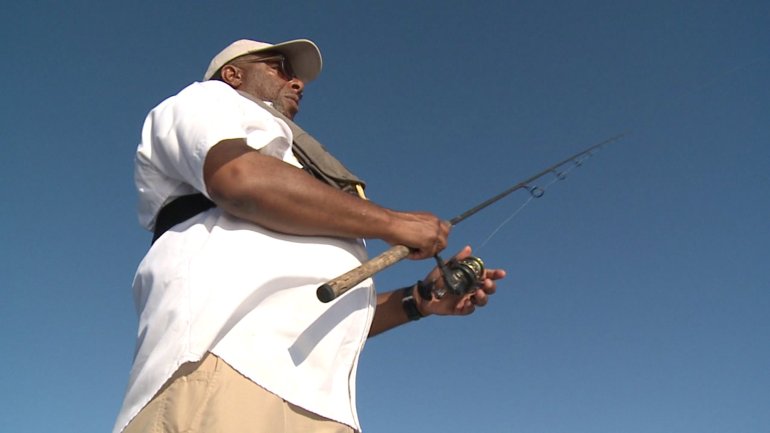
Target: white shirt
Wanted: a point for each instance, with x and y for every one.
(217, 283)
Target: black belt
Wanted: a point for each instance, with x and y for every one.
(180, 209)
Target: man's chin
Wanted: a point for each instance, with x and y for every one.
(290, 114)
(288, 109)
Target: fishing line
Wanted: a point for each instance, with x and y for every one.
(506, 221)
(535, 192)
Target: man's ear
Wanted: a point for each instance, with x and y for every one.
(232, 75)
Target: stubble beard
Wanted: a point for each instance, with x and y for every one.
(280, 105)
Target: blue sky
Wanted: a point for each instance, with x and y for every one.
(638, 291)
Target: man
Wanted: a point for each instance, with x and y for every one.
(231, 335)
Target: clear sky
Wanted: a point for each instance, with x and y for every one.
(639, 288)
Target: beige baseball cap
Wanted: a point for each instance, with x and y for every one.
(304, 56)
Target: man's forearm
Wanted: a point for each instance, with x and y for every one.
(389, 314)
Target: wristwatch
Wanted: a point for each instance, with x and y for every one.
(410, 303)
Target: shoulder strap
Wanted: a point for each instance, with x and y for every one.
(314, 156)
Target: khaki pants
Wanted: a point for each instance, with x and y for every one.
(209, 396)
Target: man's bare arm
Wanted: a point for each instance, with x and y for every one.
(271, 193)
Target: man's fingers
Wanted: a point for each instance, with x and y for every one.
(479, 298)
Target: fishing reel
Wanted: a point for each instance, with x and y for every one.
(459, 276)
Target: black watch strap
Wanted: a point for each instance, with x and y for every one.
(410, 303)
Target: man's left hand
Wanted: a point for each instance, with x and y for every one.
(460, 305)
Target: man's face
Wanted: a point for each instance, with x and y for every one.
(268, 76)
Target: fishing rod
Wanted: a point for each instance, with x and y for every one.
(336, 287)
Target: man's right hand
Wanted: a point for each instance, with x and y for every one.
(424, 233)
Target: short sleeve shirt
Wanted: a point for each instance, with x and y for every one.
(221, 284)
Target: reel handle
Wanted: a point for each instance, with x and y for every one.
(336, 287)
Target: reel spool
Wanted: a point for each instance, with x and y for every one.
(460, 277)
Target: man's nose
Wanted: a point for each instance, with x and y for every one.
(297, 84)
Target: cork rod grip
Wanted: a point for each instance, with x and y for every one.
(336, 287)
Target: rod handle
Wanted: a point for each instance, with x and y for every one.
(336, 287)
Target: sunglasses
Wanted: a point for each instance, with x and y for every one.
(278, 62)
